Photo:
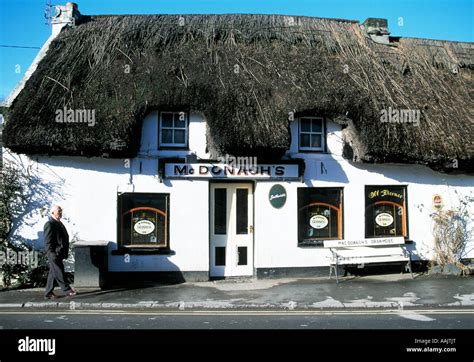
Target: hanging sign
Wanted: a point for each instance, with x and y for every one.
(318, 221)
(277, 196)
(384, 219)
(437, 202)
(144, 227)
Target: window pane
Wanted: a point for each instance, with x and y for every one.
(384, 215)
(317, 220)
(308, 195)
(180, 120)
(305, 125)
(179, 136)
(316, 141)
(143, 219)
(166, 119)
(321, 222)
(146, 224)
(242, 211)
(316, 125)
(242, 250)
(220, 255)
(166, 136)
(385, 220)
(220, 211)
(304, 140)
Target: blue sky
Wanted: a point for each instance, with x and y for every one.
(22, 22)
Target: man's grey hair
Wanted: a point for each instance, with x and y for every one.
(54, 208)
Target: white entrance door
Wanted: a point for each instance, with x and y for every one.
(231, 230)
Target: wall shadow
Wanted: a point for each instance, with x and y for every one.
(37, 196)
(412, 173)
(92, 267)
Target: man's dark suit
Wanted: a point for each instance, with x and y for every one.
(56, 244)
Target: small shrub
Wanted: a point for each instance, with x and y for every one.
(452, 234)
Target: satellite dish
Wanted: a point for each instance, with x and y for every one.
(58, 12)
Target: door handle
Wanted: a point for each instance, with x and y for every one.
(251, 229)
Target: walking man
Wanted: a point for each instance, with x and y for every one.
(56, 243)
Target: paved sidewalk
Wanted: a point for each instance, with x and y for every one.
(395, 291)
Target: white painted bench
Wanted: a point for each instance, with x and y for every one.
(367, 251)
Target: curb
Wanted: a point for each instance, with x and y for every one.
(197, 306)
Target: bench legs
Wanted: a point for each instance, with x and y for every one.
(408, 266)
(331, 268)
(335, 267)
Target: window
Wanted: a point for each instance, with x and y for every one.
(220, 255)
(385, 211)
(319, 215)
(311, 134)
(242, 212)
(173, 129)
(220, 211)
(143, 219)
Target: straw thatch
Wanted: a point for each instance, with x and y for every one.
(247, 73)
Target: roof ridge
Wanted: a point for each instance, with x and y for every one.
(231, 14)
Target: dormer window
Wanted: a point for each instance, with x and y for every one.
(311, 134)
(173, 129)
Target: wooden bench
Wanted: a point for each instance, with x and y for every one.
(367, 251)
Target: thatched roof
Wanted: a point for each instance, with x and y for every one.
(246, 73)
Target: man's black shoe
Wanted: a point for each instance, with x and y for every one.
(50, 296)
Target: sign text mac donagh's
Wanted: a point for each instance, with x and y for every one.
(364, 242)
(208, 170)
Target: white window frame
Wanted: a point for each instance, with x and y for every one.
(186, 130)
(322, 133)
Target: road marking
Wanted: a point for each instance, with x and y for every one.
(242, 313)
(415, 316)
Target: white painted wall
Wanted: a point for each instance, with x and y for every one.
(276, 230)
(87, 189)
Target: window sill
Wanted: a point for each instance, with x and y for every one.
(311, 243)
(173, 148)
(311, 151)
(143, 251)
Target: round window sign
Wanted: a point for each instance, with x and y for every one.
(277, 196)
(318, 221)
(144, 227)
(384, 219)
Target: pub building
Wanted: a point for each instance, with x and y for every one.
(207, 146)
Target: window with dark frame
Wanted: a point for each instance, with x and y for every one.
(385, 211)
(311, 134)
(143, 220)
(319, 215)
(220, 211)
(242, 212)
(173, 129)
